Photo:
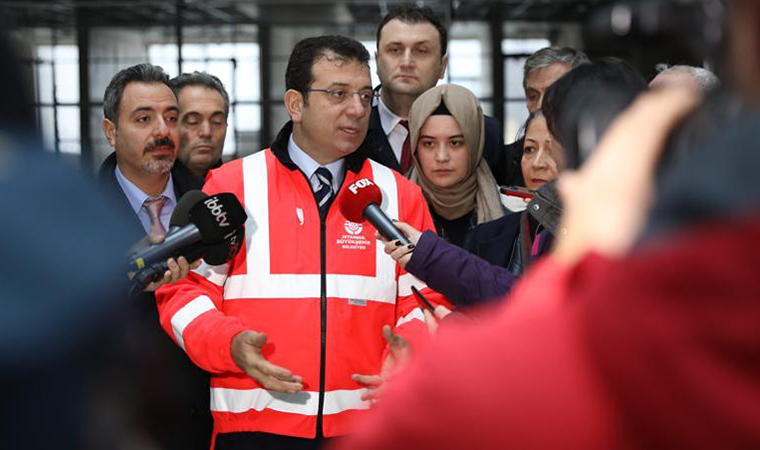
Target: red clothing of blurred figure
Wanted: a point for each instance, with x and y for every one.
(658, 349)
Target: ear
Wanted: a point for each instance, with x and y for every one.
(109, 130)
(444, 64)
(294, 104)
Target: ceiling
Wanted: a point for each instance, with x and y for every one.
(69, 13)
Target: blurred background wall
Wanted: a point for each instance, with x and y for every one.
(72, 48)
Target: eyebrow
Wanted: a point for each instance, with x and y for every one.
(197, 113)
(422, 136)
(151, 109)
(424, 41)
(339, 84)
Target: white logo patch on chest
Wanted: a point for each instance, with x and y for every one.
(353, 239)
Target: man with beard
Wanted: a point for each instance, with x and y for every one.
(160, 387)
(141, 116)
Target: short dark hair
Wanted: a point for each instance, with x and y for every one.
(413, 14)
(299, 76)
(592, 95)
(203, 79)
(140, 73)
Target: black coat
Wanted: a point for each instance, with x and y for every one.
(511, 169)
(379, 149)
(165, 395)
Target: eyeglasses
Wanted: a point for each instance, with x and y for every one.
(338, 95)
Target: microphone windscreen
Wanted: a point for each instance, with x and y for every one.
(218, 217)
(181, 215)
(224, 251)
(355, 199)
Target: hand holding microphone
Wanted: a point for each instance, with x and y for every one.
(200, 227)
(397, 250)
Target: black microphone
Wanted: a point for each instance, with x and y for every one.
(213, 255)
(209, 221)
(361, 201)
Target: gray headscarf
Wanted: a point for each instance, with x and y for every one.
(478, 190)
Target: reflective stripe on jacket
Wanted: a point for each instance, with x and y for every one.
(321, 292)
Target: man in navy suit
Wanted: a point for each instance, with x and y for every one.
(411, 58)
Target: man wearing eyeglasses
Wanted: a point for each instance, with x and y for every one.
(284, 326)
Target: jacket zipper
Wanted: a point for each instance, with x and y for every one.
(323, 319)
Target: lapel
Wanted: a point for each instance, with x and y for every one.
(379, 149)
(107, 180)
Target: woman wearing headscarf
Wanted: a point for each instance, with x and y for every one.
(503, 249)
(446, 135)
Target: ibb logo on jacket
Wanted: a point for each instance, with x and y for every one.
(360, 184)
(352, 227)
(217, 211)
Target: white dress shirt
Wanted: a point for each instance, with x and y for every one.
(308, 166)
(394, 131)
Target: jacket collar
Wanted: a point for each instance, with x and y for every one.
(354, 161)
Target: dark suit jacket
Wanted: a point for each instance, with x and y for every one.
(181, 177)
(167, 395)
(380, 149)
(511, 169)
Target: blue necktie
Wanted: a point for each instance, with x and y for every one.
(323, 189)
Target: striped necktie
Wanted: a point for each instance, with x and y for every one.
(323, 189)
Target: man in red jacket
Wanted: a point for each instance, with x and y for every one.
(284, 326)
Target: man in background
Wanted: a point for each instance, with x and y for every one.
(411, 58)
(541, 70)
(204, 108)
(697, 78)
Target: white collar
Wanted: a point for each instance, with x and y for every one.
(308, 165)
(388, 119)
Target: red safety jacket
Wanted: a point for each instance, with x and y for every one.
(320, 290)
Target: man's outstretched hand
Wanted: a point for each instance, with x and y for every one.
(246, 352)
(396, 359)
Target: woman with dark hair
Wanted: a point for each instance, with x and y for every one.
(582, 104)
(515, 240)
(446, 135)
(502, 249)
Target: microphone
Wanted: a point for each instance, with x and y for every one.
(200, 227)
(361, 202)
(213, 255)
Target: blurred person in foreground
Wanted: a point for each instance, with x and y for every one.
(446, 129)
(411, 57)
(500, 251)
(631, 346)
(204, 107)
(284, 325)
(63, 284)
